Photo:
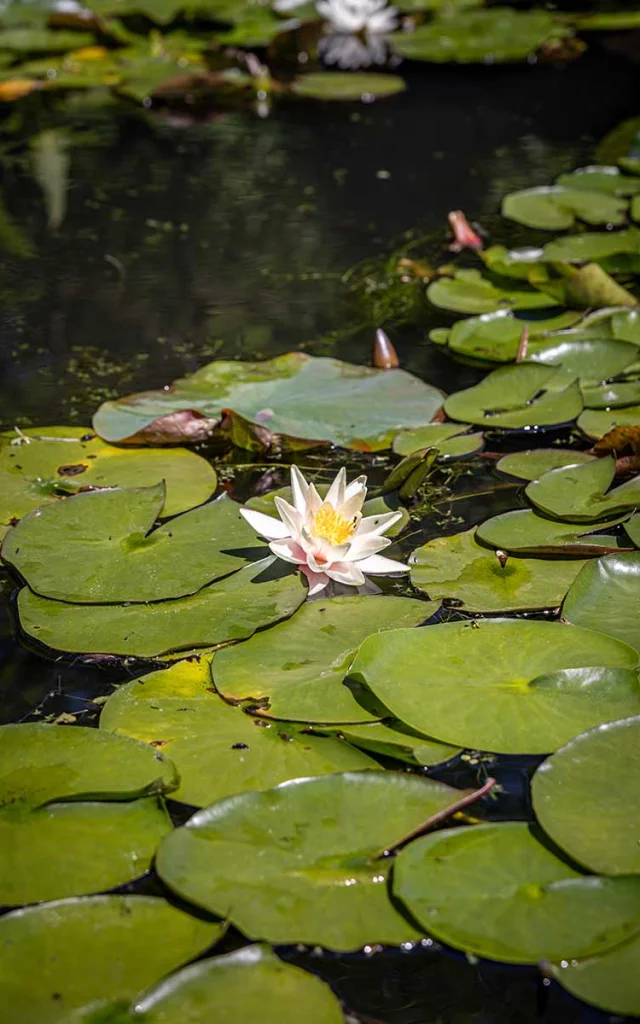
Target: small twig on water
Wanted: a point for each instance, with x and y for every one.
(435, 819)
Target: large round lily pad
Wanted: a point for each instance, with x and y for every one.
(251, 985)
(336, 85)
(496, 36)
(296, 670)
(294, 395)
(496, 891)
(587, 797)
(593, 245)
(70, 820)
(610, 981)
(590, 359)
(469, 292)
(516, 397)
(62, 460)
(580, 493)
(320, 877)
(526, 532)
(531, 464)
(91, 953)
(101, 548)
(504, 685)
(457, 567)
(495, 336)
(218, 749)
(393, 739)
(556, 208)
(605, 597)
(230, 609)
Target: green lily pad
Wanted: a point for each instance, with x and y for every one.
(457, 567)
(605, 597)
(589, 360)
(529, 906)
(531, 464)
(610, 981)
(393, 739)
(73, 813)
(251, 985)
(601, 179)
(43, 763)
(505, 685)
(296, 671)
(626, 326)
(615, 395)
(162, 12)
(73, 849)
(295, 396)
(524, 531)
(555, 208)
(587, 798)
(608, 21)
(63, 460)
(91, 953)
(218, 749)
(101, 548)
(320, 878)
(467, 291)
(632, 528)
(451, 440)
(495, 337)
(372, 507)
(598, 422)
(231, 609)
(515, 398)
(592, 245)
(484, 37)
(580, 493)
(42, 40)
(349, 85)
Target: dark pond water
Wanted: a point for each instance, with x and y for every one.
(181, 243)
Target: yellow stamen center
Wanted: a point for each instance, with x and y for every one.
(330, 525)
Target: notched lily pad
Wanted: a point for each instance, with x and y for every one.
(101, 548)
(458, 568)
(92, 953)
(605, 597)
(555, 208)
(524, 531)
(320, 878)
(516, 398)
(529, 906)
(63, 460)
(298, 397)
(531, 464)
(296, 671)
(335, 85)
(218, 749)
(505, 685)
(581, 494)
(451, 440)
(468, 291)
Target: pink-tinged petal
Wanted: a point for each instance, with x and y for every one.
(323, 555)
(346, 572)
(362, 547)
(299, 491)
(377, 524)
(378, 565)
(288, 550)
(317, 580)
(266, 526)
(289, 516)
(335, 494)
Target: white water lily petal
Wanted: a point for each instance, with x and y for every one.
(299, 491)
(318, 581)
(290, 517)
(353, 503)
(336, 493)
(266, 526)
(289, 551)
(363, 547)
(346, 572)
(378, 524)
(314, 501)
(379, 565)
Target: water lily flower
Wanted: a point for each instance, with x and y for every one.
(374, 16)
(328, 540)
(350, 51)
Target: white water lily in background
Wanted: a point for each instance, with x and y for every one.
(346, 50)
(372, 16)
(328, 540)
